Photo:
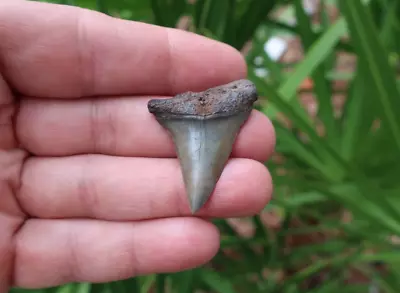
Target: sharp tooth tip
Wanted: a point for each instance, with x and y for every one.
(194, 210)
(196, 204)
(195, 207)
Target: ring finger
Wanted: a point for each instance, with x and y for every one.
(116, 188)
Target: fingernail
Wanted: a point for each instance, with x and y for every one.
(204, 126)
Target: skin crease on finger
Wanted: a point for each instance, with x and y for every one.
(80, 53)
(11, 158)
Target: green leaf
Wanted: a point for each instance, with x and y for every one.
(161, 283)
(100, 288)
(321, 86)
(216, 282)
(168, 12)
(215, 19)
(255, 14)
(376, 67)
(186, 281)
(357, 119)
(317, 53)
(146, 283)
(335, 168)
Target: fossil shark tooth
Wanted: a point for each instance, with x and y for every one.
(204, 126)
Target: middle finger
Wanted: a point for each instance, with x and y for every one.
(117, 126)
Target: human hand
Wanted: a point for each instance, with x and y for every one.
(90, 186)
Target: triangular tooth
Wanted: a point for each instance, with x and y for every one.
(204, 126)
(203, 147)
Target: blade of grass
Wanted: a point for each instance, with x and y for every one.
(326, 23)
(160, 283)
(214, 16)
(301, 151)
(370, 190)
(146, 283)
(98, 288)
(293, 29)
(131, 285)
(341, 260)
(357, 119)
(338, 168)
(216, 282)
(68, 288)
(252, 258)
(257, 11)
(168, 12)
(388, 27)
(371, 51)
(183, 282)
(370, 209)
(317, 53)
(202, 8)
(376, 213)
(118, 287)
(321, 86)
(229, 35)
(211, 18)
(102, 6)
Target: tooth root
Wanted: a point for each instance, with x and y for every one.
(203, 147)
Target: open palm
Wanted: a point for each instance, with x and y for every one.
(90, 187)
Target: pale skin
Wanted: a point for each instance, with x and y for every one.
(90, 187)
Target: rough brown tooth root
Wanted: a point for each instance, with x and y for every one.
(203, 126)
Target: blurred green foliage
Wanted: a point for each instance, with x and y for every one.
(336, 197)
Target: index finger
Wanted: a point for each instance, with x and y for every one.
(50, 50)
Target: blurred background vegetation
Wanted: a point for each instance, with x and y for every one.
(328, 76)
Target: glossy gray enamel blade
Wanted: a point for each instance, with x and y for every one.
(203, 147)
(204, 126)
